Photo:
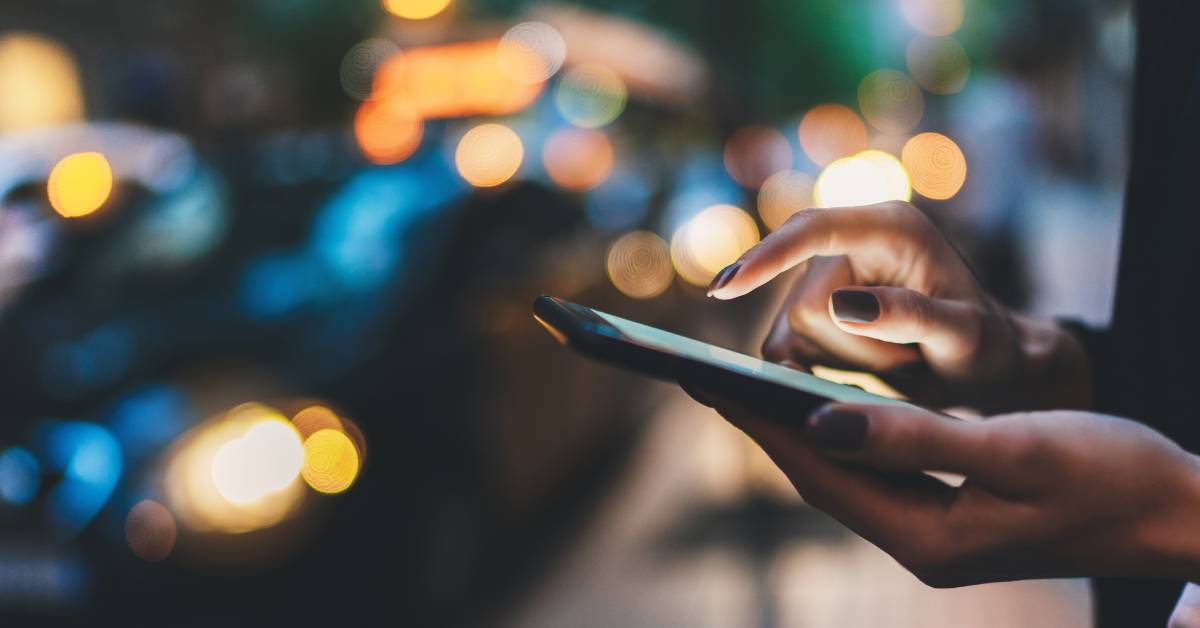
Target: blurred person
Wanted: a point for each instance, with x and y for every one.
(1048, 491)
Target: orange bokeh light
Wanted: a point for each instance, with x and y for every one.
(489, 155)
(457, 80)
(935, 164)
(388, 131)
(830, 131)
(578, 159)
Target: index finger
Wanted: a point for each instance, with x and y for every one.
(876, 230)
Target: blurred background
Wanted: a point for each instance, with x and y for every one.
(266, 269)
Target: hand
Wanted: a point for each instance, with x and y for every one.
(1056, 494)
(882, 290)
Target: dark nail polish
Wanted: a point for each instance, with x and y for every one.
(836, 430)
(723, 277)
(855, 306)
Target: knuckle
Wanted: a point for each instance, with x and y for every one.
(799, 219)
(1018, 446)
(774, 350)
(919, 311)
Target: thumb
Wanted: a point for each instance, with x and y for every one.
(900, 437)
(946, 330)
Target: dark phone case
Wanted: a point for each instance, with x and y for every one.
(587, 333)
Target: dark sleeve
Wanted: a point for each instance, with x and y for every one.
(1097, 345)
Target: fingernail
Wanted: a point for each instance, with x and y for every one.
(855, 306)
(723, 277)
(836, 430)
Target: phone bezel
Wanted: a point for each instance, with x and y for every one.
(581, 329)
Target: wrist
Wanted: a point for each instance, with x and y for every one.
(1055, 368)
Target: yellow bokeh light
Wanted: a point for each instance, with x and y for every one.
(782, 195)
(933, 17)
(236, 472)
(639, 265)
(710, 241)
(591, 96)
(330, 461)
(489, 155)
(938, 64)
(935, 164)
(890, 101)
(388, 130)
(831, 131)
(869, 177)
(39, 83)
(150, 530)
(754, 153)
(79, 184)
(578, 159)
(415, 9)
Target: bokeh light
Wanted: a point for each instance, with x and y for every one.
(591, 96)
(754, 153)
(360, 64)
(150, 530)
(890, 101)
(869, 177)
(578, 159)
(489, 155)
(415, 9)
(20, 475)
(313, 419)
(453, 81)
(265, 460)
(79, 184)
(39, 83)
(236, 472)
(388, 130)
(938, 64)
(710, 241)
(531, 52)
(782, 195)
(331, 461)
(830, 131)
(933, 17)
(639, 264)
(935, 164)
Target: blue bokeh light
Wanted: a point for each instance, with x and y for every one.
(20, 476)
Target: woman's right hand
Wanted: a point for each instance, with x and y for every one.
(882, 290)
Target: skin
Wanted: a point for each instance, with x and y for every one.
(1046, 494)
(940, 338)
(1122, 501)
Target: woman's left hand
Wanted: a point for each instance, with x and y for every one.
(1052, 494)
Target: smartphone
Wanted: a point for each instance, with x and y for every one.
(770, 389)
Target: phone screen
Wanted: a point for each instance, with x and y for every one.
(668, 342)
